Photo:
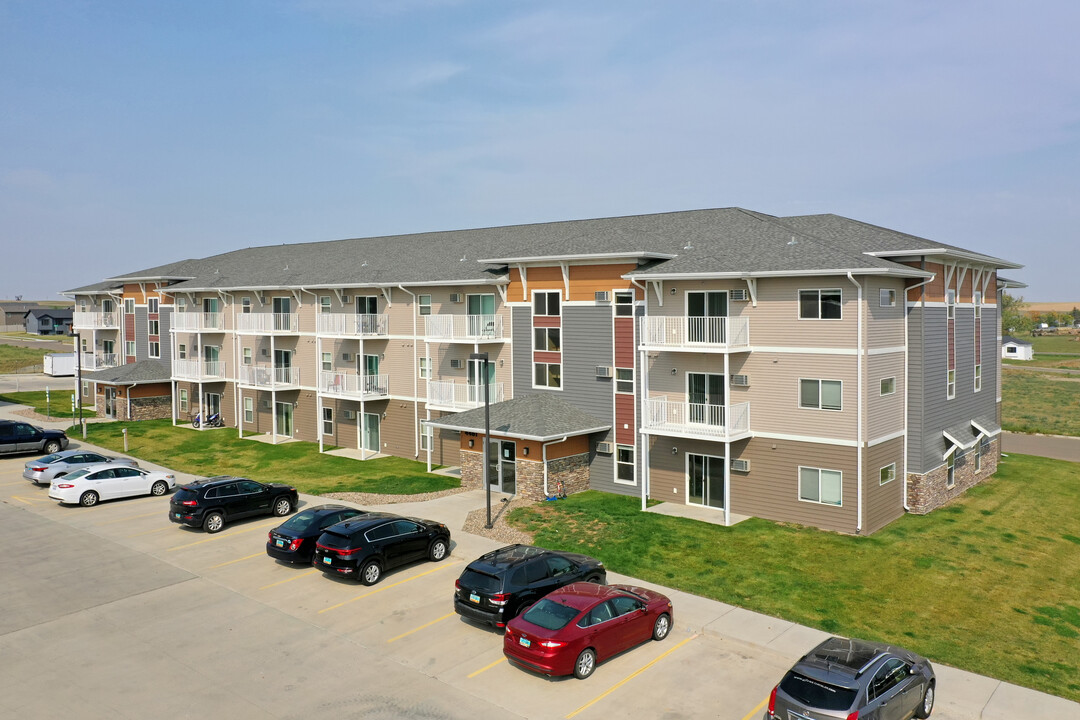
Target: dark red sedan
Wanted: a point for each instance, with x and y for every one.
(573, 628)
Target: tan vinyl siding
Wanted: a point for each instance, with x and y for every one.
(344, 435)
(774, 394)
(775, 321)
(884, 325)
(884, 413)
(675, 305)
(667, 470)
(883, 503)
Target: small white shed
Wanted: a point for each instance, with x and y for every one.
(1016, 349)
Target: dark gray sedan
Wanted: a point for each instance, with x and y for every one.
(854, 678)
(44, 470)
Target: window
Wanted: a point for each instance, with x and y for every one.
(327, 361)
(129, 348)
(950, 384)
(547, 375)
(328, 421)
(152, 306)
(887, 298)
(153, 327)
(86, 391)
(978, 378)
(950, 304)
(624, 380)
(547, 339)
(821, 394)
(888, 385)
(950, 478)
(624, 302)
(155, 349)
(426, 437)
(820, 486)
(546, 303)
(249, 410)
(1010, 349)
(425, 304)
(425, 368)
(181, 351)
(820, 304)
(324, 303)
(624, 463)
(247, 356)
(129, 306)
(887, 474)
(977, 300)
(181, 304)
(245, 305)
(977, 451)
(183, 400)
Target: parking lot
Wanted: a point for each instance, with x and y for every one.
(113, 611)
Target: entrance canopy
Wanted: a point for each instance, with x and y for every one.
(541, 418)
(139, 373)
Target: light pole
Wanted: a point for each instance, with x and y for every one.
(78, 379)
(482, 358)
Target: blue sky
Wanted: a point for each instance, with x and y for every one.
(138, 133)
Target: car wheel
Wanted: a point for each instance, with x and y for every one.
(159, 488)
(927, 705)
(51, 447)
(370, 573)
(585, 664)
(594, 579)
(282, 506)
(437, 551)
(88, 499)
(213, 522)
(661, 627)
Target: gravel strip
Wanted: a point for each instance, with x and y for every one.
(500, 530)
(367, 499)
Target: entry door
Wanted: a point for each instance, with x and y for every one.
(502, 466)
(706, 481)
(110, 402)
(210, 305)
(705, 311)
(282, 306)
(107, 349)
(371, 439)
(367, 305)
(284, 412)
(705, 392)
(283, 366)
(213, 405)
(368, 367)
(211, 354)
(480, 309)
(476, 380)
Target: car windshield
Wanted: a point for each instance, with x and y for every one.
(49, 459)
(480, 581)
(550, 615)
(185, 494)
(300, 521)
(77, 474)
(817, 695)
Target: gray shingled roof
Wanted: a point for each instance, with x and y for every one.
(961, 434)
(139, 373)
(539, 417)
(1016, 341)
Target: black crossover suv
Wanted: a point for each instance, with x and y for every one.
(212, 502)
(21, 437)
(497, 586)
(294, 540)
(368, 545)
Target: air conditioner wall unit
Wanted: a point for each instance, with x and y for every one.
(345, 299)
(603, 296)
(457, 298)
(603, 371)
(265, 352)
(740, 380)
(605, 447)
(457, 363)
(262, 298)
(347, 357)
(740, 465)
(740, 294)
(349, 414)
(266, 404)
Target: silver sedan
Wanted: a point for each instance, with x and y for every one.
(44, 470)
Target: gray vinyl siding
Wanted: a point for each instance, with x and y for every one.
(164, 323)
(142, 342)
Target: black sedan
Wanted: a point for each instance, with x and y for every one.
(294, 540)
(368, 545)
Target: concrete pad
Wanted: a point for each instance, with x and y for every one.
(750, 627)
(1012, 701)
(962, 694)
(693, 512)
(797, 640)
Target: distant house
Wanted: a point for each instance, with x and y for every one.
(13, 316)
(1016, 349)
(48, 321)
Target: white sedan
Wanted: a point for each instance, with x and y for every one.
(108, 481)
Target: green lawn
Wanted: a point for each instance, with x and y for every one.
(220, 452)
(1034, 402)
(59, 405)
(15, 357)
(1065, 362)
(1052, 343)
(66, 339)
(988, 583)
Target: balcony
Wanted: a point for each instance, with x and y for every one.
(352, 325)
(695, 334)
(267, 377)
(678, 418)
(198, 370)
(98, 361)
(449, 395)
(268, 323)
(463, 328)
(198, 322)
(353, 386)
(96, 320)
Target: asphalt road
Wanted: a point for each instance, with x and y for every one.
(1049, 446)
(45, 345)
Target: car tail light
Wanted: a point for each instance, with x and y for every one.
(500, 599)
(39, 469)
(457, 584)
(853, 716)
(772, 701)
(296, 544)
(347, 554)
(65, 485)
(551, 643)
(190, 503)
(270, 535)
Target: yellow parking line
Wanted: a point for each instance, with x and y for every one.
(470, 676)
(387, 587)
(629, 677)
(125, 519)
(755, 711)
(246, 557)
(418, 629)
(150, 532)
(23, 482)
(289, 579)
(16, 497)
(28, 501)
(276, 521)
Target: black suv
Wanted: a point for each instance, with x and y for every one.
(209, 503)
(20, 437)
(497, 586)
(368, 545)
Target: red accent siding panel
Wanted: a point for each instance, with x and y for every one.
(547, 321)
(547, 356)
(624, 342)
(624, 415)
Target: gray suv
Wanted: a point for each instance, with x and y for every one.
(847, 679)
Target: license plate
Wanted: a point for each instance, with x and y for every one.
(176, 515)
(474, 597)
(327, 559)
(280, 543)
(525, 642)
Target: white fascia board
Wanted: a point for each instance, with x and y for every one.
(150, 278)
(519, 436)
(344, 286)
(912, 272)
(951, 253)
(583, 256)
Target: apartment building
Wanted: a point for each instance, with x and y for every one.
(812, 369)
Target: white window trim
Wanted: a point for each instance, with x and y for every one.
(546, 331)
(798, 485)
(798, 303)
(886, 297)
(182, 400)
(129, 348)
(153, 306)
(624, 380)
(150, 349)
(326, 363)
(427, 438)
(891, 392)
(562, 380)
(950, 385)
(420, 304)
(819, 407)
(425, 368)
(247, 356)
(978, 377)
(893, 474)
(950, 470)
(328, 417)
(632, 464)
(249, 410)
(547, 292)
(181, 351)
(615, 304)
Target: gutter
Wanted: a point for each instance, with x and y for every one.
(543, 454)
(859, 406)
(907, 507)
(644, 378)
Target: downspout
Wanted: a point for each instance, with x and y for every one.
(644, 373)
(907, 508)
(128, 393)
(543, 454)
(859, 406)
(318, 369)
(415, 379)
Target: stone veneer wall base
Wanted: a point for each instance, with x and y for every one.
(929, 491)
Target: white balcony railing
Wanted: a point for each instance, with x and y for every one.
(354, 385)
(466, 328)
(267, 376)
(460, 396)
(198, 321)
(96, 320)
(198, 369)
(98, 361)
(268, 323)
(695, 333)
(352, 325)
(676, 417)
